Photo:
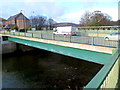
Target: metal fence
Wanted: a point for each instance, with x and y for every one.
(67, 38)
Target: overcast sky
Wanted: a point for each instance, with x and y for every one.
(59, 10)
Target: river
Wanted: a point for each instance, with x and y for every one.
(43, 69)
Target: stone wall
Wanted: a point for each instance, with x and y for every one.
(8, 47)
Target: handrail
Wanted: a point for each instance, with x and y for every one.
(98, 80)
(68, 38)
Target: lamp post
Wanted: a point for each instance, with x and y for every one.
(24, 21)
(32, 20)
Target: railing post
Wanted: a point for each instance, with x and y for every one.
(19, 33)
(70, 38)
(32, 35)
(53, 36)
(41, 36)
(1, 39)
(92, 40)
(25, 34)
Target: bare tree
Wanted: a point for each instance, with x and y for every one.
(85, 20)
(38, 21)
(96, 18)
(100, 19)
(50, 23)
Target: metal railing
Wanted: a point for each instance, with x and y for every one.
(108, 76)
(67, 38)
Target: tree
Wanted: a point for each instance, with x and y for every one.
(85, 20)
(100, 19)
(38, 21)
(96, 18)
(50, 23)
(15, 27)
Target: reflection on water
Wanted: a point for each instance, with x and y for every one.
(42, 69)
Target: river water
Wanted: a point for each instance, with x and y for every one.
(43, 69)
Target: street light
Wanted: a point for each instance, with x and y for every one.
(24, 21)
(32, 20)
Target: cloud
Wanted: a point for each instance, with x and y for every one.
(57, 9)
(71, 17)
(75, 16)
(50, 9)
(59, 1)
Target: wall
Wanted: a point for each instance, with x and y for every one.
(23, 24)
(111, 80)
(8, 47)
(24, 48)
(10, 22)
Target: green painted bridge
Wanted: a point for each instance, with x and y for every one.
(107, 77)
(97, 57)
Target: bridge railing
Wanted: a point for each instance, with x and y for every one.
(108, 76)
(67, 38)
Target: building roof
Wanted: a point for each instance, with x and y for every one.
(2, 19)
(17, 16)
(9, 26)
(12, 17)
(64, 24)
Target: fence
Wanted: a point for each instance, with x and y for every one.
(95, 33)
(67, 38)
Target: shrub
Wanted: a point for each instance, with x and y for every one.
(22, 30)
(10, 29)
(29, 28)
(15, 27)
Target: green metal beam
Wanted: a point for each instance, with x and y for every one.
(101, 76)
(96, 57)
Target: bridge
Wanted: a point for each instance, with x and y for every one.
(90, 52)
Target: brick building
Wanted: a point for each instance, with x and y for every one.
(2, 23)
(20, 20)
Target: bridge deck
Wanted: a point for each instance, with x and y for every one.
(92, 56)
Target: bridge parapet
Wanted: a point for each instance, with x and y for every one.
(89, 40)
(87, 43)
(69, 44)
(108, 76)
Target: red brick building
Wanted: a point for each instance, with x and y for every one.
(2, 23)
(20, 20)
